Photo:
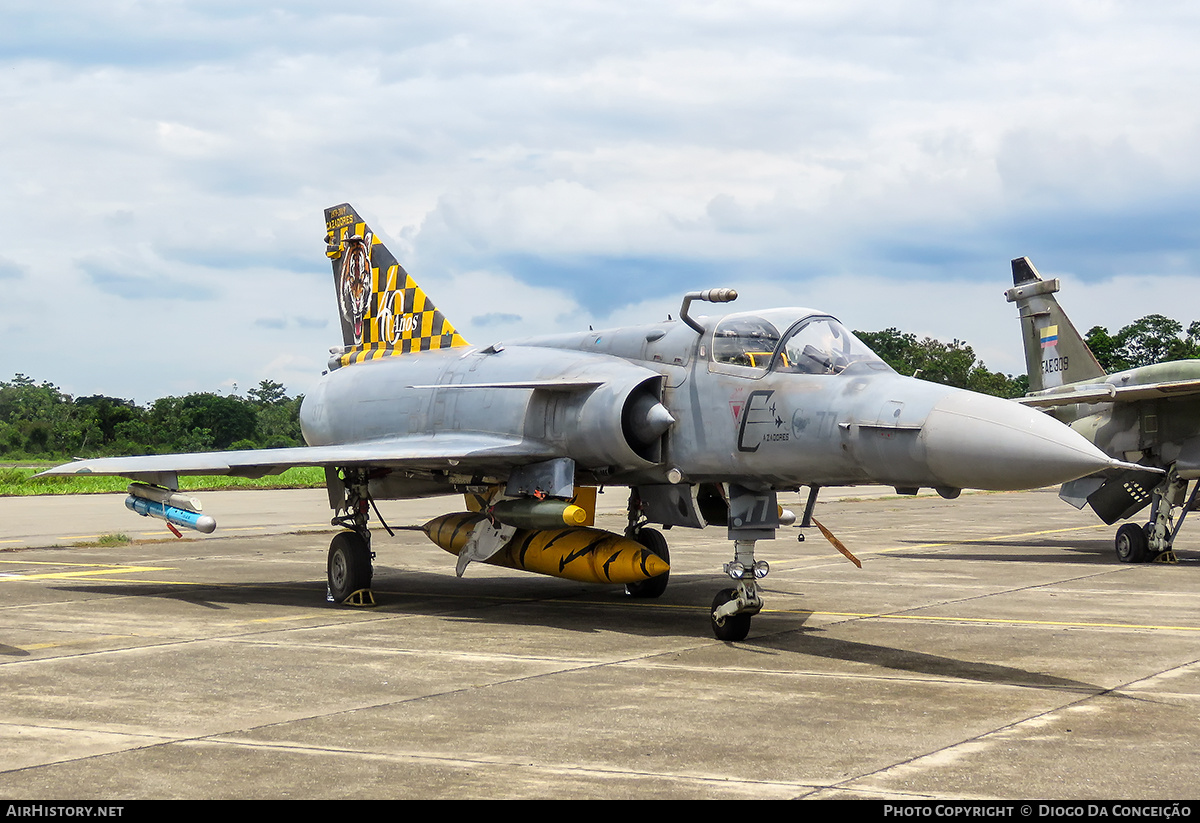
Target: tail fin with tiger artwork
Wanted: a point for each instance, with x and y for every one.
(383, 310)
(1055, 352)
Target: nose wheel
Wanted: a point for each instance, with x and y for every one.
(733, 608)
(729, 627)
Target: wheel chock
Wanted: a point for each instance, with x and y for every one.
(1167, 557)
(362, 597)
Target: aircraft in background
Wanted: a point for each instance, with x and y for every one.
(704, 420)
(1149, 416)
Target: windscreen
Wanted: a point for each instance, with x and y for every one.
(821, 345)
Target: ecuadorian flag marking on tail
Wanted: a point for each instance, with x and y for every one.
(1049, 336)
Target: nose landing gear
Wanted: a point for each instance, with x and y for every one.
(753, 516)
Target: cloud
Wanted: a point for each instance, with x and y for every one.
(496, 318)
(10, 270)
(539, 167)
(136, 277)
(283, 323)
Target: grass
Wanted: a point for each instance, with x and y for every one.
(19, 481)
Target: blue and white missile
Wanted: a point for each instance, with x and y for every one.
(168, 496)
(140, 501)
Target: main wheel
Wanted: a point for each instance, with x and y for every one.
(1132, 544)
(656, 544)
(734, 628)
(349, 565)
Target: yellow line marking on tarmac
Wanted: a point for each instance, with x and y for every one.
(93, 537)
(150, 582)
(284, 529)
(992, 621)
(99, 569)
(991, 538)
(911, 547)
(93, 569)
(68, 563)
(982, 621)
(91, 574)
(164, 532)
(86, 641)
(644, 604)
(995, 621)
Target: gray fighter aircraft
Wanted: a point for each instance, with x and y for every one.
(704, 420)
(1148, 416)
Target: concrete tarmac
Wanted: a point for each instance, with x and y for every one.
(990, 647)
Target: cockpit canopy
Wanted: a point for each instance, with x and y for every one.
(790, 341)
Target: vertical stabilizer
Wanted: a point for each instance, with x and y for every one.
(382, 308)
(1055, 352)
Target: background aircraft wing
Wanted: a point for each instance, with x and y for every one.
(433, 451)
(1110, 393)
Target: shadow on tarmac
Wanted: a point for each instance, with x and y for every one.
(563, 606)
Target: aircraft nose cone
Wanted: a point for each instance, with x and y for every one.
(973, 441)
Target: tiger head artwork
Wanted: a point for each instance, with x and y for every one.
(354, 282)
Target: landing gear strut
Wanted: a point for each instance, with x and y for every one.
(753, 516)
(655, 543)
(733, 608)
(348, 568)
(1155, 541)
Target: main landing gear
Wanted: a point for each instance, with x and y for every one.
(655, 543)
(1155, 541)
(752, 516)
(348, 568)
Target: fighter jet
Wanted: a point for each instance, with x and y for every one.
(704, 420)
(1149, 416)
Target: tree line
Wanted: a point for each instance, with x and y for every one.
(951, 364)
(1153, 339)
(40, 421)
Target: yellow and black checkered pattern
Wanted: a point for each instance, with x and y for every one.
(398, 317)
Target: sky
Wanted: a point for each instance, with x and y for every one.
(540, 167)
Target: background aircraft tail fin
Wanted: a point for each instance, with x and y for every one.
(383, 310)
(1055, 352)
